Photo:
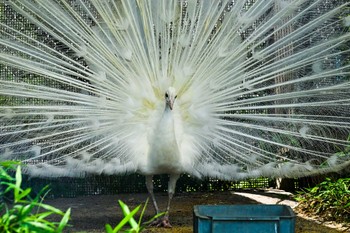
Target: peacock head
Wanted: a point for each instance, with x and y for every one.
(170, 96)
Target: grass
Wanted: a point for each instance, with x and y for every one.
(330, 200)
(135, 226)
(25, 214)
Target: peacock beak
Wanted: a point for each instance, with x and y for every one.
(171, 104)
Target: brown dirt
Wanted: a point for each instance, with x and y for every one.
(91, 213)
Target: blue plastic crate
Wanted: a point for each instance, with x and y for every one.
(243, 219)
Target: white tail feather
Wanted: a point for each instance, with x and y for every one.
(263, 86)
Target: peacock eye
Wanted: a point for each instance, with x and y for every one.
(175, 96)
(166, 95)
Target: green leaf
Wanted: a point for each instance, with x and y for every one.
(17, 188)
(64, 221)
(10, 187)
(5, 176)
(126, 219)
(126, 212)
(154, 218)
(43, 215)
(41, 226)
(50, 208)
(142, 212)
(109, 228)
(24, 193)
(26, 210)
(9, 163)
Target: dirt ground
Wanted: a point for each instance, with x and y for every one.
(91, 213)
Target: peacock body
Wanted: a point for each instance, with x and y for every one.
(262, 87)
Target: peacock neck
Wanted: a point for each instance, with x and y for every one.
(167, 110)
(164, 154)
(166, 129)
(167, 119)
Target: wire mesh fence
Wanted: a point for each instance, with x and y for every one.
(135, 183)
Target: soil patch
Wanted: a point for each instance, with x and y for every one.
(91, 213)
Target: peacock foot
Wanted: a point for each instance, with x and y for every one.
(162, 222)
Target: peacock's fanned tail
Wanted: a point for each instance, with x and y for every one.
(263, 86)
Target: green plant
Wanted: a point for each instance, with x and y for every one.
(26, 214)
(329, 199)
(346, 150)
(135, 226)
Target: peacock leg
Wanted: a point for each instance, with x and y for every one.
(171, 190)
(149, 185)
(164, 221)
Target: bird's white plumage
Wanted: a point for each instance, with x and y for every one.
(164, 145)
(224, 89)
(263, 87)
